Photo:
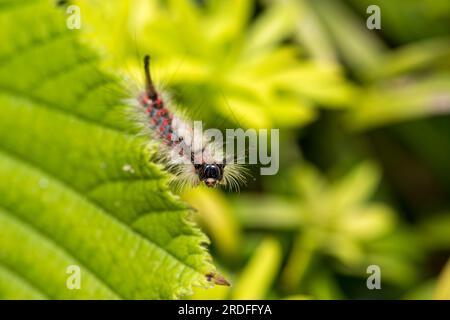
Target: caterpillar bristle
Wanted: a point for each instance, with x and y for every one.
(157, 119)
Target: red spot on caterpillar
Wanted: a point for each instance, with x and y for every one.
(169, 136)
(161, 129)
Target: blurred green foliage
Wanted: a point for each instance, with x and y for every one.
(217, 57)
(365, 175)
(364, 144)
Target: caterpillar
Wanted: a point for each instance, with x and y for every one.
(190, 156)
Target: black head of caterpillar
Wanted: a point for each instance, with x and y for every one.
(210, 173)
(176, 137)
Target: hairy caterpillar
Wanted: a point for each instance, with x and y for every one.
(191, 157)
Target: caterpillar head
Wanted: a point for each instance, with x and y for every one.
(211, 174)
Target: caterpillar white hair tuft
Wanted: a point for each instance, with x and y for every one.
(191, 165)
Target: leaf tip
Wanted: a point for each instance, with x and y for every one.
(217, 279)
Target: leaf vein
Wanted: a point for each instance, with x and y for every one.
(25, 280)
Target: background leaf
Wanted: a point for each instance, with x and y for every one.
(443, 286)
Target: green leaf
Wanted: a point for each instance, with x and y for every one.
(416, 56)
(442, 291)
(434, 231)
(76, 186)
(401, 99)
(360, 49)
(311, 33)
(357, 186)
